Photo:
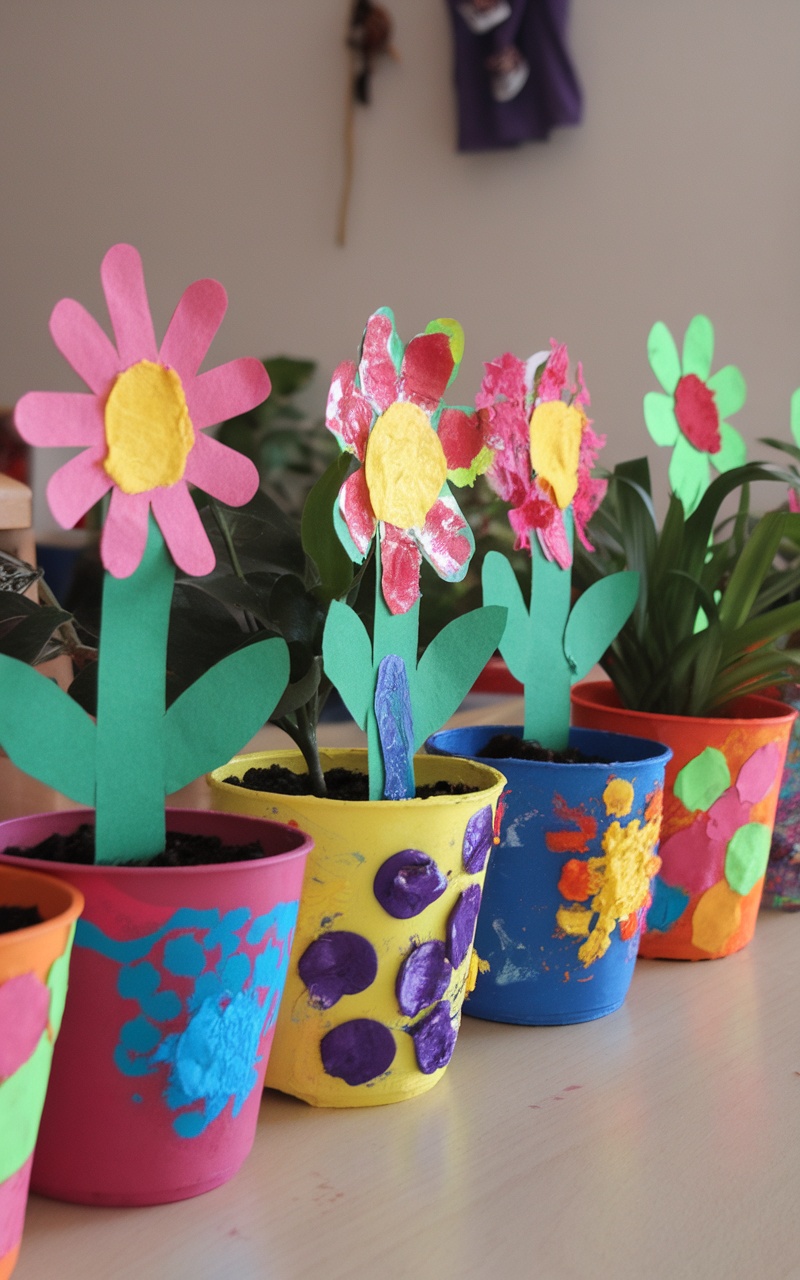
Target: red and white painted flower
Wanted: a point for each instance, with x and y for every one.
(388, 412)
(544, 448)
(142, 428)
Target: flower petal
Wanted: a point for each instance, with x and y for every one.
(126, 297)
(356, 509)
(191, 330)
(226, 391)
(689, 474)
(348, 414)
(698, 347)
(446, 540)
(220, 471)
(125, 533)
(732, 452)
(555, 373)
(77, 486)
(179, 521)
(84, 345)
(663, 356)
(504, 377)
(53, 418)
(659, 417)
(426, 369)
(377, 371)
(730, 390)
(400, 566)
(463, 437)
(554, 542)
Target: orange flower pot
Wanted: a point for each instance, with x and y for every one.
(720, 798)
(34, 963)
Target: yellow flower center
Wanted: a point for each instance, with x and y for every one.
(148, 429)
(405, 466)
(556, 429)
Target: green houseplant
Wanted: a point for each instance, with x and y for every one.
(702, 641)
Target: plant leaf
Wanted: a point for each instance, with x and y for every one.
(220, 712)
(45, 733)
(596, 618)
(320, 541)
(500, 587)
(450, 666)
(346, 655)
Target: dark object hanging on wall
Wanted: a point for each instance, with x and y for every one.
(514, 78)
(369, 37)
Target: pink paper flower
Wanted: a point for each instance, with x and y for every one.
(543, 457)
(142, 429)
(388, 412)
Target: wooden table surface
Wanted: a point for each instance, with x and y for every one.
(661, 1141)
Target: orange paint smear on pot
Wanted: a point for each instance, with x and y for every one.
(571, 841)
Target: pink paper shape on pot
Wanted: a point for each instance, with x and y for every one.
(24, 1006)
(13, 1199)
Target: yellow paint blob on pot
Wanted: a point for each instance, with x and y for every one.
(556, 429)
(148, 429)
(476, 966)
(575, 920)
(618, 798)
(405, 466)
(716, 917)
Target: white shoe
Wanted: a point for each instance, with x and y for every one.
(505, 85)
(481, 20)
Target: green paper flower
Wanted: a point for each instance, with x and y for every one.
(691, 417)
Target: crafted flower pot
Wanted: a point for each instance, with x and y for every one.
(34, 964)
(176, 979)
(384, 937)
(719, 808)
(782, 881)
(569, 882)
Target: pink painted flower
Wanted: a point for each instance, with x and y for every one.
(388, 412)
(544, 448)
(142, 429)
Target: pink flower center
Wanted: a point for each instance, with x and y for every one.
(696, 411)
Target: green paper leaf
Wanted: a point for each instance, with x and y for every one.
(596, 618)
(703, 780)
(689, 474)
(698, 347)
(217, 715)
(450, 666)
(45, 733)
(730, 390)
(663, 356)
(320, 540)
(733, 450)
(659, 417)
(500, 587)
(794, 415)
(347, 656)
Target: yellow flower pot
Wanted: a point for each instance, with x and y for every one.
(383, 945)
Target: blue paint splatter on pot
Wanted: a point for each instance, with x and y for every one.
(358, 1051)
(434, 1039)
(337, 964)
(204, 973)
(407, 883)
(395, 728)
(423, 978)
(478, 840)
(461, 924)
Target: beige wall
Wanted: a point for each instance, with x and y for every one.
(208, 133)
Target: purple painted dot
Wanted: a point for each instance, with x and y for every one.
(407, 883)
(478, 840)
(357, 1051)
(434, 1039)
(337, 964)
(461, 924)
(424, 977)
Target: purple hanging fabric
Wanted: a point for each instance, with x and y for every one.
(514, 77)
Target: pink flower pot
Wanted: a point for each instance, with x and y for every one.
(174, 990)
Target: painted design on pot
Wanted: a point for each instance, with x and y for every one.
(408, 882)
(722, 853)
(358, 1051)
(616, 884)
(434, 1038)
(782, 883)
(337, 964)
(478, 840)
(207, 989)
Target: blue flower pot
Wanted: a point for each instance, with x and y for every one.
(567, 887)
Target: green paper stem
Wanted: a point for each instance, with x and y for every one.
(549, 675)
(131, 691)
